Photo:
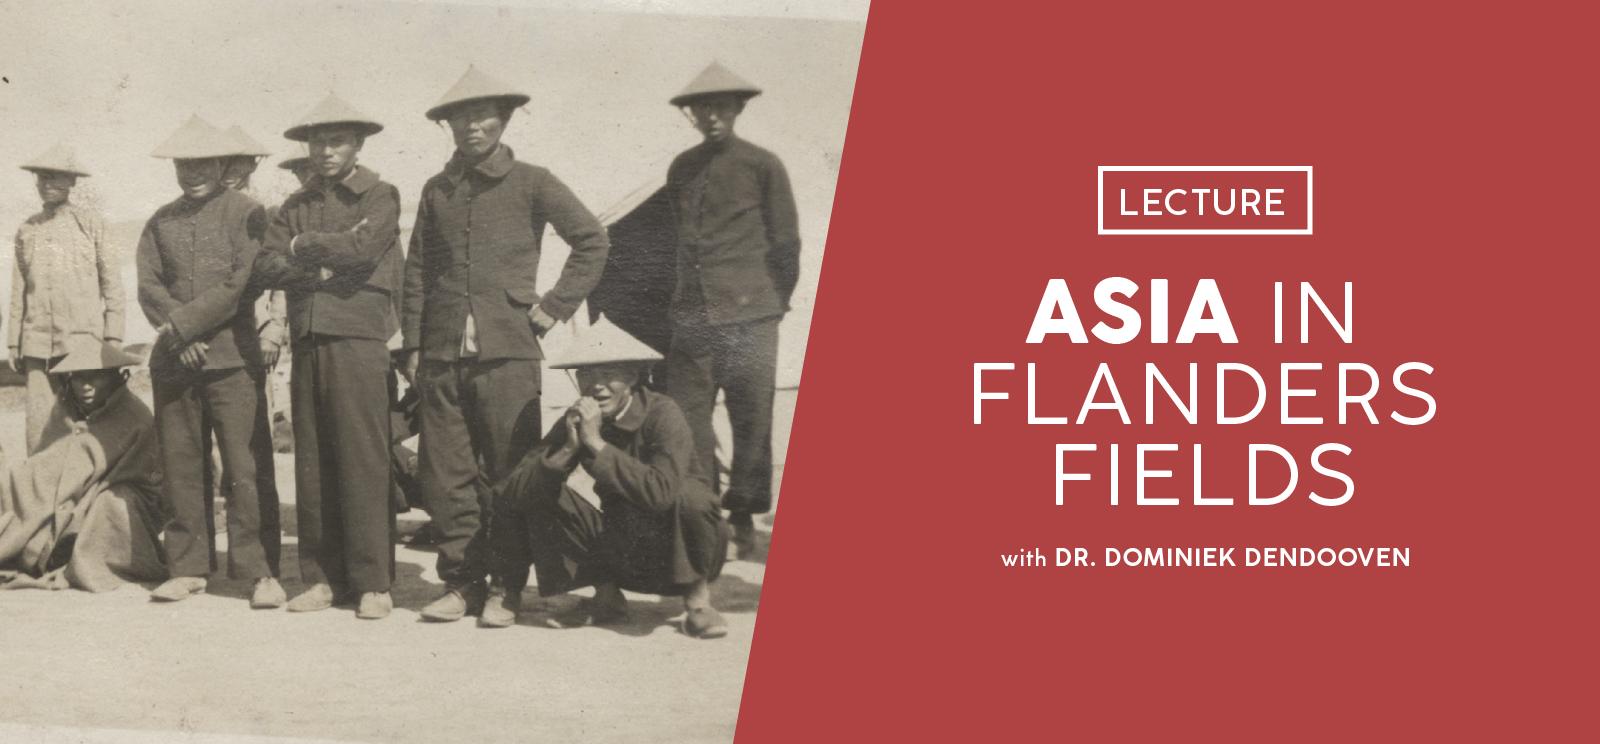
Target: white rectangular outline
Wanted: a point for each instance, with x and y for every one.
(1100, 200)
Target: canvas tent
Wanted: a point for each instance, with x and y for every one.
(635, 291)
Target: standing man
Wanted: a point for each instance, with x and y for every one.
(272, 314)
(472, 317)
(297, 161)
(194, 263)
(66, 281)
(272, 328)
(738, 262)
(334, 247)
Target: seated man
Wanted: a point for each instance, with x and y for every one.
(86, 510)
(657, 527)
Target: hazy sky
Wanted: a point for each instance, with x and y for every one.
(114, 79)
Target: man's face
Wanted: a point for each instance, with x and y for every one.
(55, 187)
(200, 177)
(237, 171)
(91, 387)
(333, 151)
(477, 126)
(714, 116)
(611, 385)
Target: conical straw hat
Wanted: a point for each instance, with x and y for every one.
(602, 343)
(332, 110)
(715, 80)
(196, 139)
(475, 85)
(58, 159)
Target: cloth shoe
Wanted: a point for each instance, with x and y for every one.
(705, 622)
(375, 606)
(500, 611)
(268, 594)
(318, 597)
(179, 588)
(457, 602)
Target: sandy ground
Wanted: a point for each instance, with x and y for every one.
(115, 667)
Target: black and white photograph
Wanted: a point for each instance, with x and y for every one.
(402, 371)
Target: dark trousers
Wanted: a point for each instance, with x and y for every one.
(742, 360)
(478, 420)
(571, 544)
(266, 474)
(229, 400)
(340, 396)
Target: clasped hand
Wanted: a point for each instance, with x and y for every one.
(191, 356)
(583, 421)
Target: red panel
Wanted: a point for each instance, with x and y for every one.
(1454, 157)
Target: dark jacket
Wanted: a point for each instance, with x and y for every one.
(194, 264)
(647, 466)
(738, 233)
(659, 526)
(321, 220)
(476, 246)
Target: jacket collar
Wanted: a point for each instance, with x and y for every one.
(358, 181)
(496, 166)
(193, 203)
(725, 145)
(633, 416)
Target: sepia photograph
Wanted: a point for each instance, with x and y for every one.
(385, 371)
